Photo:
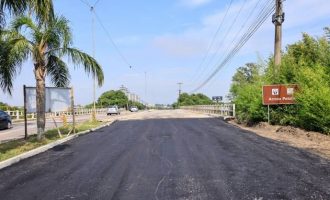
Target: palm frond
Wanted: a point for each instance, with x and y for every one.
(13, 6)
(2, 20)
(44, 9)
(91, 66)
(13, 52)
(24, 21)
(58, 33)
(10, 65)
(58, 71)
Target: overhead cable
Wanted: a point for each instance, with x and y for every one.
(265, 13)
(110, 38)
(211, 44)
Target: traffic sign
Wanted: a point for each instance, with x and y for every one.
(217, 98)
(279, 94)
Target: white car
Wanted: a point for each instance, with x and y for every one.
(134, 109)
(113, 110)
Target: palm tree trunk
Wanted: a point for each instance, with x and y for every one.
(40, 99)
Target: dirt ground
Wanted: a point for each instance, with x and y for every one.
(312, 141)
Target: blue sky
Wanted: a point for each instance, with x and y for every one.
(168, 39)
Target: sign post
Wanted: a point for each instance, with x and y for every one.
(25, 114)
(278, 95)
(73, 112)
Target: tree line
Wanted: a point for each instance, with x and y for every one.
(186, 99)
(306, 63)
(115, 97)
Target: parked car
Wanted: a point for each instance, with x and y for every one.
(5, 120)
(134, 109)
(113, 110)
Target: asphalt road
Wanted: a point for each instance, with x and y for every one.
(186, 159)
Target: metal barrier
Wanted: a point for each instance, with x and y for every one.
(17, 114)
(225, 110)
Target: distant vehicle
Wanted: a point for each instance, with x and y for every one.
(134, 109)
(5, 120)
(113, 110)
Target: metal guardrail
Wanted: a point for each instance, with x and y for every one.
(17, 114)
(224, 110)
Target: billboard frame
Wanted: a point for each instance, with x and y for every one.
(71, 105)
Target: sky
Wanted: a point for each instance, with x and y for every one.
(170, 41)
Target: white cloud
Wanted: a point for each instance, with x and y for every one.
(180, 46)
(194, 3)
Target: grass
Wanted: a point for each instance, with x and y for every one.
(16, 147)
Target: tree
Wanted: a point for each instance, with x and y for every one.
(45, 44)
(113, 97)
(194, 99)
(43, 9)
(246, 93)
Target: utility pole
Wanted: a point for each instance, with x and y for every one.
(94, 84)
(180, 90)
(278, 19)
(145, 86)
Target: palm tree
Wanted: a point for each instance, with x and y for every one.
(46, 44)
(43, 9)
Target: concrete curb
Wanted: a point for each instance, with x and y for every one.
(33, 152)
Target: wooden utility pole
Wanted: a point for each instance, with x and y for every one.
(278, 19)
(180, 90)
(94, 78)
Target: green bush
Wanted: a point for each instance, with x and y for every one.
(314, 99)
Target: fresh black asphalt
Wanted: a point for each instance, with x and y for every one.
(185, 159)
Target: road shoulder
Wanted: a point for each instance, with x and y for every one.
(41, 149)
(313, 142)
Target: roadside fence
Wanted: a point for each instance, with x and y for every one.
(17, 114)
(224, 110)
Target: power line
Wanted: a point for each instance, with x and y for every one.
(241, 29)
(247, 34)
(86, 3)
(110, 38)
(223, 39)
(92, 9)
(96, 3)
(213, 39)
(265, 13)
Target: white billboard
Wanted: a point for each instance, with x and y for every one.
(57, 99)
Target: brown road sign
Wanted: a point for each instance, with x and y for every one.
(279, 94)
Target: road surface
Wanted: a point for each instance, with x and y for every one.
(169, 155)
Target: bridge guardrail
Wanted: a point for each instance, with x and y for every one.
(224, 110)
(17, 114)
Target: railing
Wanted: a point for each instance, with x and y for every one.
(17, 114)
(224, 110)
